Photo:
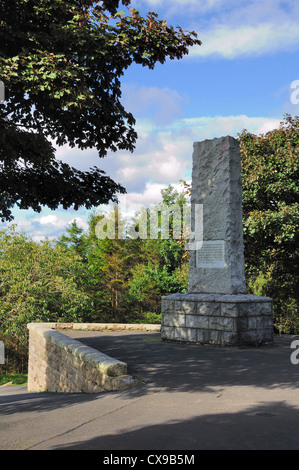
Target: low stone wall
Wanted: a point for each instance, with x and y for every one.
(107, 326)
(58, 363)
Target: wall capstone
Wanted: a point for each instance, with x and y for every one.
(58, 363)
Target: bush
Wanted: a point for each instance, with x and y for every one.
(38, 282)
(270, 174)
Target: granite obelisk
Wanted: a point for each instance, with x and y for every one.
(217, 310)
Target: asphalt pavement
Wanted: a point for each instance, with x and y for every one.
(186, 398)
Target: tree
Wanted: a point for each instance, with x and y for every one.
(61, 62)
(163, 268)
(74, 239)
(147, 285)
(270, 172)
(109, 264)
(39, 282)
(173, 252)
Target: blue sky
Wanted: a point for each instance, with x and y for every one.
(240, 78)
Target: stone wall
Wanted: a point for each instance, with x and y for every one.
(58, 363)
(222, 320)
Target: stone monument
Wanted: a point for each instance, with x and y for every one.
(217, 310)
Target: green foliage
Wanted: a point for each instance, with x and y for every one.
(149, 283)
(127, 276)
(31, 177)
(270, 172)
(82, 277)
(15, 379)
(16, 354)
(145, 317)
(61, 63)
(171, 253)
(74, 239)
(39, 282)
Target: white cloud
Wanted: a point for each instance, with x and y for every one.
(161, 105)
(210, 127)
(163, 156)
(129, 173)
(159, 166)
(42, 238)
(150, 195)
(52, 220)
(23, 224)
(48, 226)
(167, 166)
(80, 223)
(172, 7)
(268, 126)
(163, 153)
(234, 28)
(134, 201)
(228, 42)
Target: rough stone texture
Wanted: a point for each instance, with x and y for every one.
(58, 363)
(105, 326)
(217, 319)
(216, 184)
(217, 309)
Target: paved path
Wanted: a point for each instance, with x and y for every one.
(188, 398)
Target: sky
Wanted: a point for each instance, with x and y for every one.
(245, 75)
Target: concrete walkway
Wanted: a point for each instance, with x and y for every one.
(188, 398)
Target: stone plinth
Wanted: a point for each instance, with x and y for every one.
(217, 319)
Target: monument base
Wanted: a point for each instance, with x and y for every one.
(217, 319)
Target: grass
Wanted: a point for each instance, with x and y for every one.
(16, 379)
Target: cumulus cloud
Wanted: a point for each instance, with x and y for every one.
(173, 7)
(210, 127)
(227, 42)
(150, 195)
(170, 167)
(163, 153)
(234, 28)
(132, 202)
(52, 220)
(48, 226)
(267, 126)
(165, 164)
(163, 156)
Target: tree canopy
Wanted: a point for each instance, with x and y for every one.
(270, 171)
(80, 277)
(61, 62)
